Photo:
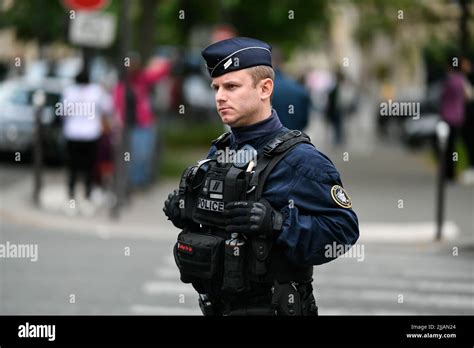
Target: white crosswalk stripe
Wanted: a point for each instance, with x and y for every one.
(409, 298)
(404, 284)
(167, 287)
(348, 287)
(163, 310)
(167, 273)
(364, 311)
(435, 273)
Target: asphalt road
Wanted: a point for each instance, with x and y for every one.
(11, 171)
(106, 277)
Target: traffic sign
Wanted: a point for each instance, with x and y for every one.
(86, 5)
(92, 29)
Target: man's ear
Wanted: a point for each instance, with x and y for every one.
(266, 88)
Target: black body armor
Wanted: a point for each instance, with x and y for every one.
(235, 273)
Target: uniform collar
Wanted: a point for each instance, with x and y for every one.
(268, 126)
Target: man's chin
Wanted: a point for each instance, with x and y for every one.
(228, 120)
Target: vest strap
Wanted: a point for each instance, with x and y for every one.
(222, 141)
(273, 152)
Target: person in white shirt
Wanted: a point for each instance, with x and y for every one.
(83, 107)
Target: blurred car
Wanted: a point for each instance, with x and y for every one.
(422, 132)
(413, 132)
(194, 88)
(17, 117)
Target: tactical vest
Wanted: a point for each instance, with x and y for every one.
(201, 252)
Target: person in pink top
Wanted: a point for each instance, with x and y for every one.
(452, 112)
(139, 116)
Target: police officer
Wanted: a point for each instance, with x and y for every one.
(264, 206)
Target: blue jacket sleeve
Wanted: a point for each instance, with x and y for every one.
(211, 152)
(314, 222)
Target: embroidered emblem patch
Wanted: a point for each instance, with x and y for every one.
(340, 196)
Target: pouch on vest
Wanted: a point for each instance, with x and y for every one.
(198, 256)
(190, 185)
(235, 262)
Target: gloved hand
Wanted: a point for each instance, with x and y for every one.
(252, 218)
(172, 210)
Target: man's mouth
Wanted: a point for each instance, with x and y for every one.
(224, 108)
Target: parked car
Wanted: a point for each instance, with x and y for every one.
(422, 132)
(413, 132)
(17, 117)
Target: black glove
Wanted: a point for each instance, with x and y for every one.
(173, 211)
(252, 218)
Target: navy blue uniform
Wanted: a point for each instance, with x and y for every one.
(282, 230)
(300, 188)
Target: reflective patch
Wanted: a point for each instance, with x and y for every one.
(340, 196)
(207, 204)
(185, 248)
(227, 64)
(216, 186)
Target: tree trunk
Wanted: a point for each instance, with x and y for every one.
(463, 28)
(147, 29)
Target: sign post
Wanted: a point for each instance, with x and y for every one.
(442, 132)
(39, 99)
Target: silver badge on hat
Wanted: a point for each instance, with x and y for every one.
(227, 64)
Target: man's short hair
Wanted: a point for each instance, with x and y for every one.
(261, 72)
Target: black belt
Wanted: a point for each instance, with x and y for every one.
(255, 305)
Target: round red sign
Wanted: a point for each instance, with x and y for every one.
(86, 5)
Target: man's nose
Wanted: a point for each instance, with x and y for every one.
(220, 95)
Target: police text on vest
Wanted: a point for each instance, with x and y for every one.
(207, 204)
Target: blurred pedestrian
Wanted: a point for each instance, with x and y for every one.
(83, 107)
(334, 110)
(468, 126)
(3, 71)
(139, 116)
(290, 99)
(453, 99)
(104, 167)
(223, 31)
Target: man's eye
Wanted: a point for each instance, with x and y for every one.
(232, 86)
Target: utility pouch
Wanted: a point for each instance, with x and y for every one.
(286, 299)
(198, 255)
(205, 305)
(235, 261)
(259, 260)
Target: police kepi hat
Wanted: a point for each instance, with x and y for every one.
(235, 54)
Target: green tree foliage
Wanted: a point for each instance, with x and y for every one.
(284, 22)
(43, 20)
(381, 16)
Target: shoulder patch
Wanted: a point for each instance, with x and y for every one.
(340, 196)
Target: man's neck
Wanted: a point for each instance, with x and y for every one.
(257, 130)
(263, 114)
